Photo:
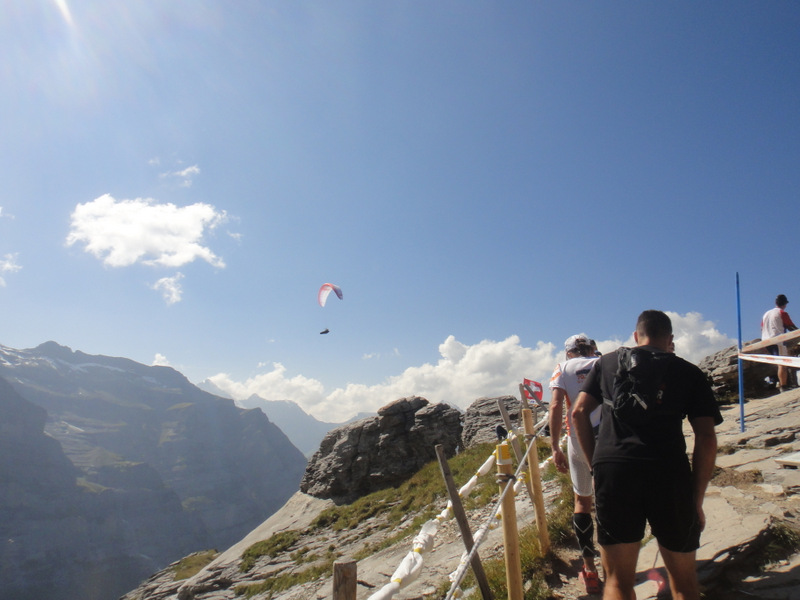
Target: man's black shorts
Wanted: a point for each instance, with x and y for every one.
(628, 494)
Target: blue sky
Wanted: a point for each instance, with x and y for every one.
(482, 179)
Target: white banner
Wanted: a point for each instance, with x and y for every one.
(786, 361)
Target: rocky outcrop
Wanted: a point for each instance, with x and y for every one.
(381, 451)
(483, 416)
(723, 371)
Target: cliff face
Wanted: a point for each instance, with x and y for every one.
(110, 470)
(64, 537)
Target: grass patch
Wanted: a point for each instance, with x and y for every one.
(280, 542)
(195, 503)
(181, 406)
(784, 541)
(89, 486)
(402, 511)
(724, 476)
(284, 581)
(192, 564)
(422, 493)
(559, 519)
(726, 449)
(535, 566)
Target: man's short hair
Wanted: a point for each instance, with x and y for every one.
(781, 301)
(654, 324)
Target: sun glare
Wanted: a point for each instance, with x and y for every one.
(63, 8)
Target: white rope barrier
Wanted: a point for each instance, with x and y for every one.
(491, 523)
(411, 566)
(787, 361)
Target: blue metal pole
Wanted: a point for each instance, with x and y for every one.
(741, 369)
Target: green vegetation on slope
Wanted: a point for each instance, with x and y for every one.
(422, 497)
(192, 564)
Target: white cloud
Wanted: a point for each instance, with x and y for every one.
(8, 264)
(274, 386)
(462, 374)
(161, 361)
(124, 232)
(170, 288)
(184, 175)
(695, 338)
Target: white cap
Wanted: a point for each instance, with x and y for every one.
(574, 341)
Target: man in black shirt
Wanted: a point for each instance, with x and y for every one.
(641, 471)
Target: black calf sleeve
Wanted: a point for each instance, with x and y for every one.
(584, 531)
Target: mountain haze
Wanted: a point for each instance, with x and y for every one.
(305, 431)
(112, 469)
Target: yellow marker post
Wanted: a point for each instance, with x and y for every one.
(505, 477)
(536, 480)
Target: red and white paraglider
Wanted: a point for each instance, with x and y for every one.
(326, 290)
(322, 296)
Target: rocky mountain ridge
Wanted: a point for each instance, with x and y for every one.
(305, 431)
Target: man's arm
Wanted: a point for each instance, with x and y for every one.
(581, 420)
(703, 458)
(556, 418)
(787, 321)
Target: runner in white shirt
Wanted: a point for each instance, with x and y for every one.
(565, 384)
(775, 322)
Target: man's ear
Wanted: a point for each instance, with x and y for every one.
(636, 337)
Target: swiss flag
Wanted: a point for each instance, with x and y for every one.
(533, 389)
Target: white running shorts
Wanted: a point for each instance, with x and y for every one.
(579, 470)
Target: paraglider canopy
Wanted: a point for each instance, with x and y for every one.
(325, 291)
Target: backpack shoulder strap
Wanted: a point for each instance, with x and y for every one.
(624, 365)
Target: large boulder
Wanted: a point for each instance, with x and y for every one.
(723, 372)
(381, 451)
(483, 416)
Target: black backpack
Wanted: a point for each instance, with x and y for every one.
(640, 386)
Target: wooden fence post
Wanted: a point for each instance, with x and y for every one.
(463, 525)
(505, 477)
(517, 450)
(344, 580)
(536, 481)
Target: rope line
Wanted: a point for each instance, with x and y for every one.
(411, 566)
(458, 575)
